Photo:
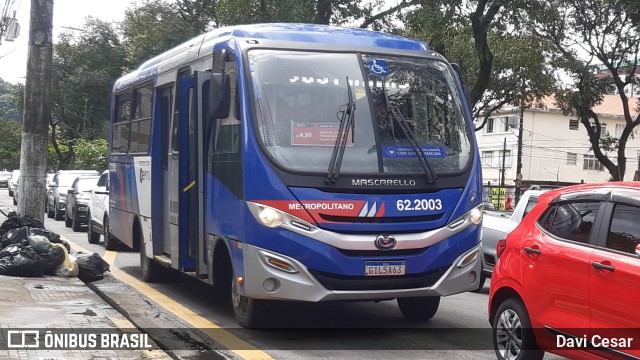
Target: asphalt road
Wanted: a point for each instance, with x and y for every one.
(360, 330)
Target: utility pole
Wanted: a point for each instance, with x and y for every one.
(37, 111)
(519, 165)
(502, 180)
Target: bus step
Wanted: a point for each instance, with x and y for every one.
(163, 260)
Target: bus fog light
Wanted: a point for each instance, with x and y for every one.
(472, 277)
(270, 217)
(475, 216)
(468, 259)
(271, 285)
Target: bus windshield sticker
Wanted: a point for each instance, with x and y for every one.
(378, 67)
(315, 134)
(436, 152)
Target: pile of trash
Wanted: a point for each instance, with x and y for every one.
(28, 249)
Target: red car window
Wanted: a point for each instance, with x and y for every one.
(624, 233)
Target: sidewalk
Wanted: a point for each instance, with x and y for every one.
(76, 317)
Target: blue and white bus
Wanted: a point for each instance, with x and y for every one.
(299, 162)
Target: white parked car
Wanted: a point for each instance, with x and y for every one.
(13, 181)
(57, 194)
(99, 210)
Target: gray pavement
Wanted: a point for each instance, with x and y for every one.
(81, 324)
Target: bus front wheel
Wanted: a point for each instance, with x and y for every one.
(419, 308)
(248, 311)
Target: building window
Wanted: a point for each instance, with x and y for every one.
(619, 130)
(501, 124)
(572, 159)
(487, 158)
(603, 129)
(574, 124)
(489, 128)
(591, 163)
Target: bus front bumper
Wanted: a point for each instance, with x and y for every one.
(264, 280)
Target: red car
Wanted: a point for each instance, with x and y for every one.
(568, 277)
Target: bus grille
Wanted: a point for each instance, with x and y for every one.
(347, 283)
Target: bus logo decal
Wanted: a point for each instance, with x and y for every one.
(374, 211)
(386, 242)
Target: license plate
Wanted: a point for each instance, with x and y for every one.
(384, 268)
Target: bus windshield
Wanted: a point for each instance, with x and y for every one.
(402, 104)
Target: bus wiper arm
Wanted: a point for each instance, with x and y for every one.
(347, 123)
(406, 130)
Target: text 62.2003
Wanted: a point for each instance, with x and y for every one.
(419, 204)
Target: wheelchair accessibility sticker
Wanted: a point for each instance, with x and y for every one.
(378, 67)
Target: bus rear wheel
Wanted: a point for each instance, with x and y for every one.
(249, 312)
(419, 308)
(150, 268)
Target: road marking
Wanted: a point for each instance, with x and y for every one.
(215, 332)
(110, 256)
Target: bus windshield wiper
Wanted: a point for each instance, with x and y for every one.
(347, 123)
(406, 130)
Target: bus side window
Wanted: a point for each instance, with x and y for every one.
(227, 131)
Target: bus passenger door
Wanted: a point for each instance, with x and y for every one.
(190, 199)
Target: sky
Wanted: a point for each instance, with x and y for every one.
(66, 13)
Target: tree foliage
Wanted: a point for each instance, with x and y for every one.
(10, 144)
(85, 66)
(153, 27)
(500, 65)
(588, 33)
(11, 100)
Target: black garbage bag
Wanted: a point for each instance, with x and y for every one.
(40, 244)
(92, 266)
(20, 260)
(52, 259)
(53, 237)
(15, 221)
(15, 236)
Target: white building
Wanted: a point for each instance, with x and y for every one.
(555, 147)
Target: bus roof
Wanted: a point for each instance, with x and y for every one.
(322, 35)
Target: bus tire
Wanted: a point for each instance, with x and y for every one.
(110, 242)
(249, 312)
(419, 308)
(150, 269)
(483, 279)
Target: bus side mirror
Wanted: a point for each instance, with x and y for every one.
(220, 90)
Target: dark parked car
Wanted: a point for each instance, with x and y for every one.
(78, 197)
(57, 193)
(567, 279)
(4, 179)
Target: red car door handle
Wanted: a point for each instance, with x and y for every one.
(601, 266)
(529, 250)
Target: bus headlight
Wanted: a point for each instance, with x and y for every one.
(475, 216)
(270, 217)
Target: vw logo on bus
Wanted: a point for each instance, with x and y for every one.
(386, 242)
